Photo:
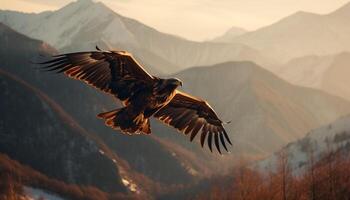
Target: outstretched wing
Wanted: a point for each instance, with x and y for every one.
(114, 72)
(191, 115)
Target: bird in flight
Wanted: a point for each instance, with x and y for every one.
(142, 95)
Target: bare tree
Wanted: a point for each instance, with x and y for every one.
(311, 170)
(329, 158)
(284, 172)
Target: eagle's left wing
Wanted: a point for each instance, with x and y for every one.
(191, 115)
(113, 72)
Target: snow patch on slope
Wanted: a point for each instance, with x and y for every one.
(34, 194)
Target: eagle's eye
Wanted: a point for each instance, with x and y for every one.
(178, 82)
(175, 81)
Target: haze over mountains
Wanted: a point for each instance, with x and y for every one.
(328, 73)
(302, 34)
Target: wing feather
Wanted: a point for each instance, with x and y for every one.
(217, 142)
(223, 141)
(203, 135)
(210, 138)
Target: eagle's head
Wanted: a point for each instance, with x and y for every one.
(175, 82)
(168, 84)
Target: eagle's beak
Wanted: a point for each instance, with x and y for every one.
(180, 83)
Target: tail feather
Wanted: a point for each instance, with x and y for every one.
(120, 119)
(109, 118)
(146, 127)
(109, 114)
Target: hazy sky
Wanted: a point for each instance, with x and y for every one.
(195, 19)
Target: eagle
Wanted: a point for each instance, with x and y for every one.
(142, 95)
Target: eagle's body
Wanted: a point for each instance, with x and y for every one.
(146, 100)
(142, 95)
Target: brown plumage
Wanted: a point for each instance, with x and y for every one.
(143, 95)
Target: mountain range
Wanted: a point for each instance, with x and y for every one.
(83, 24)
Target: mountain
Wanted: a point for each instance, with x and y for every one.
(302, 34)
(83, 24)
(328, 73)
(329, 138)
(230, 34)
(265, 111)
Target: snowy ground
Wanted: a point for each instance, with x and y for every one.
(336, 134)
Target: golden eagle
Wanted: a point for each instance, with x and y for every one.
(143, 95)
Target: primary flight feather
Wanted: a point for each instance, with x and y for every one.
(143, 96)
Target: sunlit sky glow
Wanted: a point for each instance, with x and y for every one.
(195, 19)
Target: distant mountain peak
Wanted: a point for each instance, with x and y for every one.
(234, 30)
(303, 13)
(80, 4)
(230, 34)
(300, 15)
(85, 1)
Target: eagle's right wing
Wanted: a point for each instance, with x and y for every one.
(114, 72)
(191, 115)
